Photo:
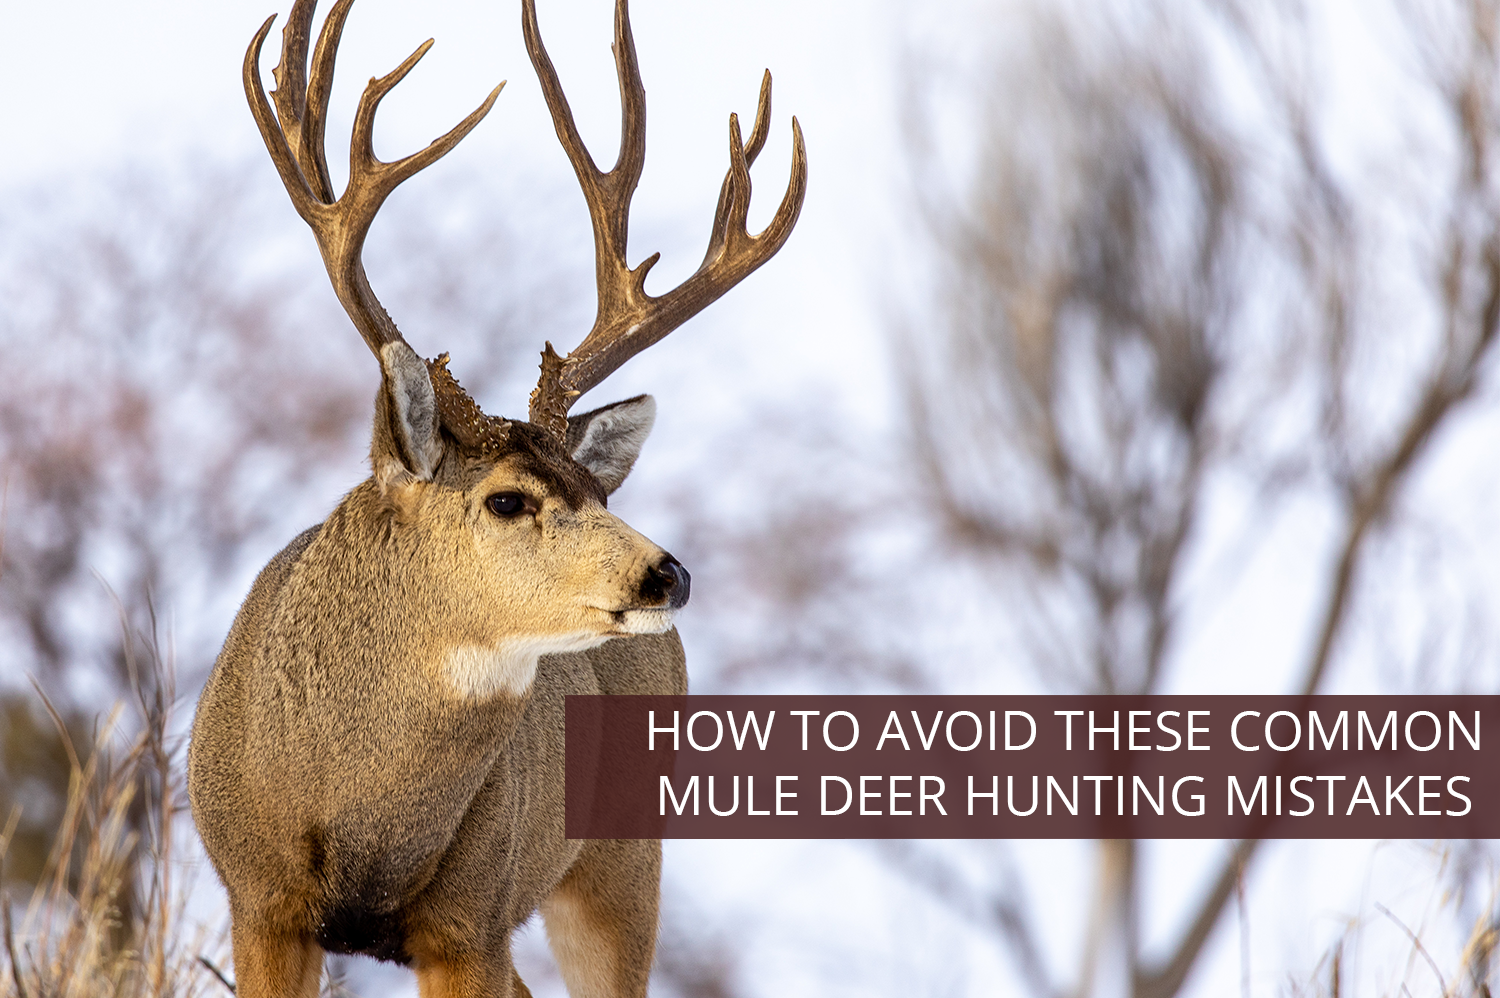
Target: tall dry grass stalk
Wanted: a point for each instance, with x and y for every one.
(1380, 955)
(107, 917)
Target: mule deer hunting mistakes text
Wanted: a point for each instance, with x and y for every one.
(1032, 767)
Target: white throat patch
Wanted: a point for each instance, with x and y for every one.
(483, 671)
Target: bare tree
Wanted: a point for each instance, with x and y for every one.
(1144, 294)
(1151, 289)
(131, 345)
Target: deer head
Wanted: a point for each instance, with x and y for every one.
(428, 432)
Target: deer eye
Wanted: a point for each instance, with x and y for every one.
(508, 504)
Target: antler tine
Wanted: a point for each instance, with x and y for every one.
(629, 320)
(320, 87)
(608, 194)
(294, 136)
(758, 135)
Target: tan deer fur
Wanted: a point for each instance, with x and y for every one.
(377, 760)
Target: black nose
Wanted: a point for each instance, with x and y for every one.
(667, 581)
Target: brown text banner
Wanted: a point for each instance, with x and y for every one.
(1033, 767)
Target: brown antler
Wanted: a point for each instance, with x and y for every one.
(629, 320)
(296, 146)
(293, 134)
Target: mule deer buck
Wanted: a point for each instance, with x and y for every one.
(376, 763)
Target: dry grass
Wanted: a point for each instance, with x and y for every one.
(1380, 954)
(106, 918)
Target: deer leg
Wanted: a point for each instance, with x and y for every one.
(601, 919)
(474, 976)
(449, 980)
(270, 964)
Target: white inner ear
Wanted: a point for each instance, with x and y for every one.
(416, 407)
(612, 440)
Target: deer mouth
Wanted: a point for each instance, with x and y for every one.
(652, 620)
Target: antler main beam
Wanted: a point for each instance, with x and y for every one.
(294, 134)
(629, 320)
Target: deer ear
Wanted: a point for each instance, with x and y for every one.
(608, 440)
(405, 446)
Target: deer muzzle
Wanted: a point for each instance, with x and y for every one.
(667, 582)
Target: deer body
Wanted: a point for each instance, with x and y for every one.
(377, 764)
(377, 760)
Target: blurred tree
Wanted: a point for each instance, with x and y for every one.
(1160, 326)
(153, 387)
(1155, 290)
